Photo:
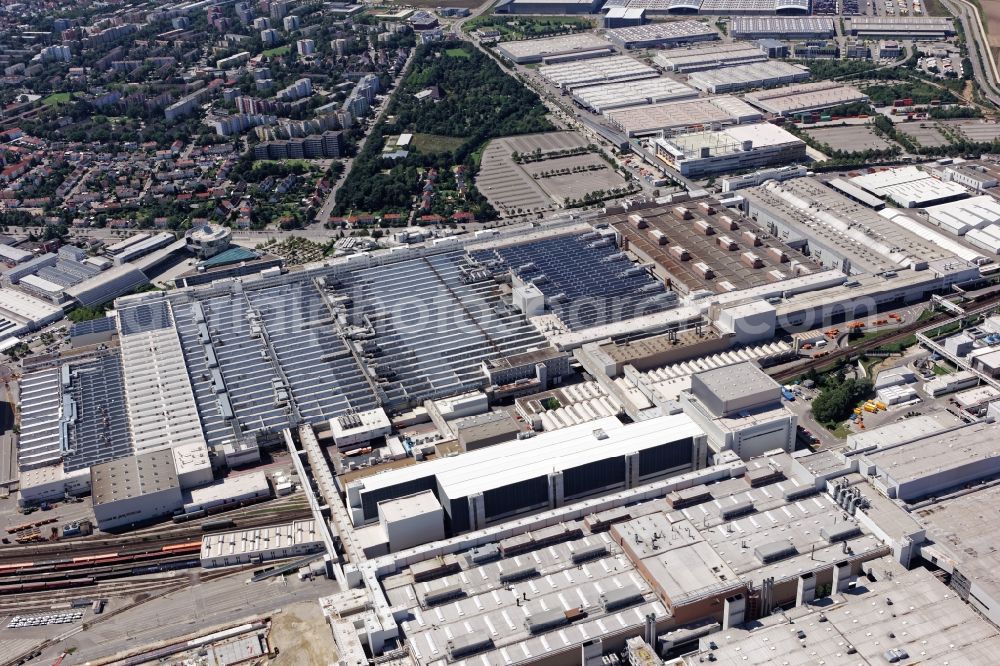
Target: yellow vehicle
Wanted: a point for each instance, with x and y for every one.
(857, 410)
(869, 407)
(882, 406)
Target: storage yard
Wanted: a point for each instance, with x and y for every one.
(849, 138)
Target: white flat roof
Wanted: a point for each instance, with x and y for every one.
(511, 462)
(23, 308)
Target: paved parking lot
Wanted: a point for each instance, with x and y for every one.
(849, 137)
(924, 132)
(511, 186)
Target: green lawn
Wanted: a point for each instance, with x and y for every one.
(457, 53)
(436, 143)
(939, 370)
(55, 99)
(277, 51)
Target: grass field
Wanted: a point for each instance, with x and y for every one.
(436, 143)
(457, 53)
(277, 51)
(55, 99)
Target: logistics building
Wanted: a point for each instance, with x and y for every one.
(563, 48)
(709, 56)
(803, 97)
(731, 149)
(692, 114)
(910, 187)
(782, 27)
(758, 75)
(634, 93)
(662, 34)
(901, 27)
(503, 481)
(714, 7)
(571, 75)
(548, 7)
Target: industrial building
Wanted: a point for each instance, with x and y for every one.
(901, 27)
(503, 481)
(548, 7)
(662, 34)
(21, 313)
(260, 544)
(734, 148)
(894, 613)
(582, 281)
(959, 217)
(782, 27)
(657, 562)
(134, 489)
(563, 48)
(672, 116)
(709, 56)
(961, 456)
(740, 409)
(714, 7)
(758, 75)
(839, 233)
(909, 187)
(570, 75)
(610, 96)
(700, 247)
(803, 97)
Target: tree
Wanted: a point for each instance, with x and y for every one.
(836, 401)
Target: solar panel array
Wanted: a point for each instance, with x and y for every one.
(587, 281)
(99, 325)
(144, 317)
(100, 432)
(426, 330)
(67, 272)
(243, 362)
(323, 375)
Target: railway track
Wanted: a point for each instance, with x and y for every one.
(837, 355)
(159, 535)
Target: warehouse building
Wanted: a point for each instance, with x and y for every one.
(661, 34)
(901, 27)
(731, 149)
(960, 456)
(671, 116)
(958, 217)
(555, 49)
(623, 17)
(503, 481)
(709, 56)
(757, 75)
(740, 409)
(804, 97)
(782, 27)
(135, 489)
(603, 98)
(263, 544)
(548, 7)
(714, 7)
(910, 187)
(568, 76)
(839, 233)
(107, 286)
(21, 313)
